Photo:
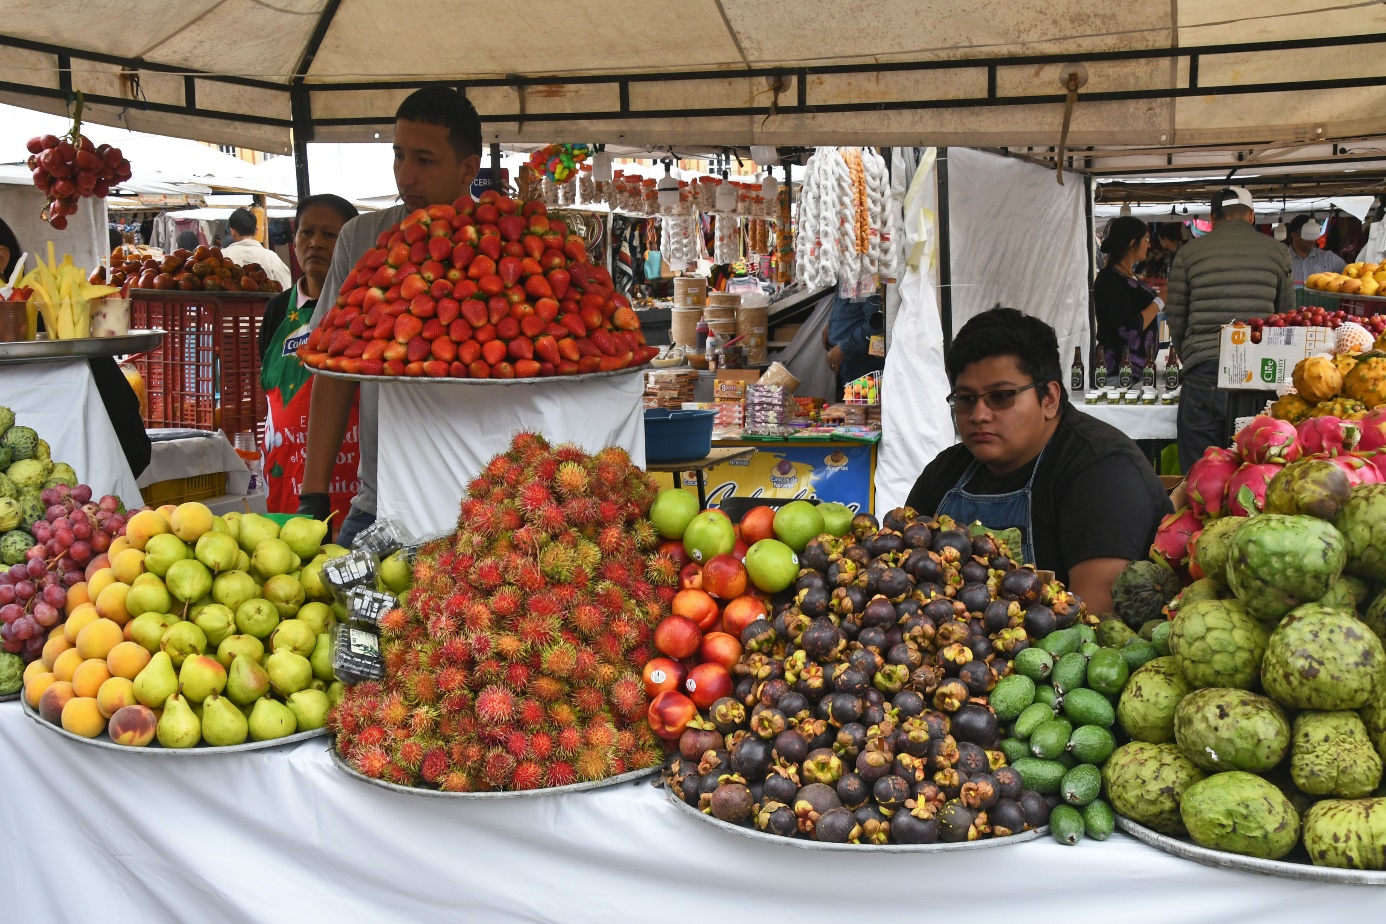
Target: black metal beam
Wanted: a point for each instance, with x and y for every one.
(310, 51)
(945, 268)
(303, 133)
(10, 41)
(1092, 263)
(120, 102)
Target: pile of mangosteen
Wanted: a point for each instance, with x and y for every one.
(860, 709)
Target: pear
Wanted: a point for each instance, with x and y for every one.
(339, 611)
(247, 709)
(200, 677)
(181, 641)
(254, 530)
(246, 681)
(232, 588)
(288, 672)
(195, 608)
(317, 615)
(188, 580)
(233, 645)
(161, 551)
(396, 573)
(316, 684)
(216, 622)
(285, 593)
(304, 535)
(218, 551)
(309, 708)
(257, 617)
(270, 719)
(314, 588)
(147, 629)
(271, 557)
(232, 519)
(156, 682)
(335, 691)
(148, 595)
(179, 726)
(332, 550)
(219, 526)
(243, 561)
(295, 635)
(222, 723)
(321, 658)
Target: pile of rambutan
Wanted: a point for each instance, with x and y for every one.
(514, 661)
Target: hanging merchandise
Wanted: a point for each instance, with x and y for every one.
(559, 162)
(845, 233)
(784, 237)
(679, 241)
(71, 167)
(727, 248)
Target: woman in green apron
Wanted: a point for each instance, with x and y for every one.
(288, 385)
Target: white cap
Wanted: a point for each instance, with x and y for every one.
(1240, 195)
(1310, 230)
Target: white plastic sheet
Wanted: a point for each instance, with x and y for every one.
(435, 436)
(59, 399)
(1139, 422)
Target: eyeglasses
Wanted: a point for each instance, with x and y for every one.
(998, 400)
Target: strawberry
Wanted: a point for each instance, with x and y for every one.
(507, 205)
(398, 254)
(530, 267)
(448, 310)
(454, 275)
(589, 364)
(507, 328)
(439, 248)
(383, 239)
(435, 368)
(394, 350)
(625, 319)
(559, 280)
(468, 234)
(546, 308)
(575, 249)
(464, 289)
(474, 312)
(465, 204)
(491, 246)
(445, 212)
(392, 294)
(604, 341)
(533, 245)
(340, 341)
(416, 217)
(423, 306)
(416, 349)
(418, 252)
(433, 329)
(526, 369)
(460, 330)
(459, 222)
(534, 207)
(493, 351)
(358, 327)
(644, 354)
(462, 255)
(374, 296)
(384, 328)
(479, 369)
(538, 224)
(414, 368)
(512, 227)
(350, 365)
(515, 295)
(553, 260)
(546, 348)
(587, 348)
(393, 367)
(415, 233)
(348, 315)
(574, 324)
(490, 284)
(441, 288)
(568, 349)
(532, 325)
(441, 229)
(520, 348)
(513, 249)
(485, 333)
(568, 367)
(458, 370)
(375, 349)
(481, 265)
(591, 317)
(411, 287)
(497, 308)
(371, 367)
(538, 286)
(489, 231)
(432, 270)
(405, 270)
(612, 363)
(444, 349)
(502, 371)
(374, 257)
(547, 369)
(552, 241)
(486, 214)
(490, 196)
(396, 308)
(407, 327)
(356, 296)
(383, 277)
(509, 269)
(468, 351)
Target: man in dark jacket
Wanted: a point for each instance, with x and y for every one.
(1233, 273)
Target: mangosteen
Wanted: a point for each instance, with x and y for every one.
(1040, 621)
(1035, 807)
(851, 738)
(872, 765)
(714, 763)
(949, 783)
(727, 714)
(917, 535)
(813, 601)
(690, 788)
(926, 678)
(794, 623)
(780, 788)
(757, 790)
(979, 676)
(858, 554)
(920, 629)
(929, 793)
(850, 600)
(1006, 817)
(985, 546)
(938, 724)
(812, 682)
(891, 792)
(843, 572)
(939, 612)
(952, 632)
(813, 800)
(696, 740)
(1001, 563)
(924, 566)
(973, 571)
(863, 525)
(1065, 616)
(773, 690)
(836, 826)
(956, 823)
(818, 554)
(879, 613)
(895, 584)
(898, 518)
(894, 636)
(1008, 783)
(907, 609)
(972, 758)
(758, 636)
(850, 628)
(974, 597)
(824, 736)
(912, 738)
(822, 766)
(809, 578)
(919, 826)
(979, 792)
(887, 542)
(904, 654)
(854, 679)
(943, 753)
(953, 657)
(976, 627)
(790, 746)
(778, 820)
(768, 723)
(999, 615)
(912, 769)
(844, 708)
(777, 623)
(1053, 800)
(1022, 585)
(873, 715)
(823, 641)
(745, 691)
(872, 639)
(952, 539)
(751, 758)
(732, 802)
(982, 647)
(873, 697)
(868, 813)
(792, 703)
(853, 790)
(908, 703)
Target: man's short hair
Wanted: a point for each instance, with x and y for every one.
(446, 107)
(1006, 332)
(242, 221)
(1233, 202)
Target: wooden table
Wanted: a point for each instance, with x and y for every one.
(699, 466)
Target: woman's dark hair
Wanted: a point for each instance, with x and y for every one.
(1006, 332)
(446, 107)
(333, 202)
(8, 240)
(1123, 233)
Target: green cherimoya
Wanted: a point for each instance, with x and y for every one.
(1323, 657)
(1350, 592)
(1241, 813)
(28, 473)
(1278, 562)
(1213, 546)
(1332, 755)
(7, 487)
(61, 473)
(11, 673)
(1224, 729)
(1374, 718)
(1347, 833)
(1362, 521)
(1149, 700)
(21, 441)
(13, 545)
(31, 508)
(10, 514)
(1145, 782)
(6, 420)
(1217, 644)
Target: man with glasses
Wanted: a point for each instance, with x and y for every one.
(1082, 495)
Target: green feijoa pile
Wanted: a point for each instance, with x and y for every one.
(1066, 824)
(1045, 694)
(1011, 695)
(1098, 820)
(1140, 652)
(1033, 716)
(1062, 642)
(1088, 707)
(1051, 739)
(1043, 776)
(1070, 672)
(1035, 663)
(1091, 744)
(1014, 749)
(1081, 785)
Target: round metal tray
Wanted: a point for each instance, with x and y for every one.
(202, 749)
(11, 697)
(1283, 869)
(632, 776)
(137, 341)
(755, 835)
(1365, 298)
(448, 380)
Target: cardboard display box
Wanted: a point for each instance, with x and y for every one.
(1269, 364)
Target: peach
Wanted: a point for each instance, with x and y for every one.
(720, 648)
(115, 694)
(677, 637)
(81, 716)
(758, 523)
(51, 649)
(53, 700)
(166, 511)
(669, 714)
(134, 726)
(696, 605)
(89, 676)
(142, 525)
(67, 663)
(76, 596)
(691, 575)
(101, 562)
(741, 612)
(127, 659)
(662, 674)
(35, 685)
(99, 582)
(724, 576)
(118, 544)
(59, 629)
(707, 683)
(78, 620)
(98, 638)
(34, 668)
(111, 603)
(128, 565)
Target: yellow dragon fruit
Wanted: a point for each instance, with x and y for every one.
(1367, 380)
(1345, 362)
(1290, 407)
(1317, 379)
(1342, 407)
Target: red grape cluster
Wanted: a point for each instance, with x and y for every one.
(67, 170)
(33, 593)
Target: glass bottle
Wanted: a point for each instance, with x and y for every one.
(712, 350)
(1125, 371)
(1148, 373)
(1076, 372)
(1099, 370)
(1171, 370)
(701, 331)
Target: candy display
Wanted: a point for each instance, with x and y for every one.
(559, 162)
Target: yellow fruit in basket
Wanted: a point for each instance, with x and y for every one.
(99, 582)
(98, 638)
(82, 716)
(118, 544)
(1367, 286)
(1317, 379)
(115, 694)
(84, 614)
(1344, 362)
(1380, 277)
(1351, 270)
(1290, 407)
(67, 663)
(110, 603)
(1313, 281)
(88, 677)
(1342, 407)
(1367, 380)
(34, 687)
(127, 660)
(144, 524)
(1350, 286)
(128, 565)
(51, 649)
(34, 668)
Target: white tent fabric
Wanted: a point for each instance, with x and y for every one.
(1018, 238)
(85, 236)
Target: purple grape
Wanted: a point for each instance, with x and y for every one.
(61, 523)
(79, 516)
(5, 578)
(10, 612)
(18, 572)
(23, 628)
(80, 552)
(54, 547)
(6, 594)
(81, 530)
(23, 590)
(115, 526)
(49, 579)
(34, 551)
(33, 648)
(110, 502)
(66, 563)
(63, 535)
(36, 568)
(81, 494)
(54, 595)
(55, 512)
(100, 542)
(42, 531)
(45, 615)
(73, 578)
(48, 497)
(7, 636)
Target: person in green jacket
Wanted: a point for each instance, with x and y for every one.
(1233, 273)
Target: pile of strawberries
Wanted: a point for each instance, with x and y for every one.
(493, 289)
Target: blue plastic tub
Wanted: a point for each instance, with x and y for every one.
(677, 436)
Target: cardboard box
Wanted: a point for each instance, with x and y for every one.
(1269, 364)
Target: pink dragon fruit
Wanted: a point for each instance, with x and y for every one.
(1206, 485)
(1253, 477)
(1327, 436)
(1360, 469)
(1377, 462)
(1373, 430)
(1266, 439)
(1173, 537)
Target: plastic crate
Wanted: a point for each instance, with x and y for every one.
(206, 374)
(182, 490)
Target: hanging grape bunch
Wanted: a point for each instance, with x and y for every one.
(70, 167)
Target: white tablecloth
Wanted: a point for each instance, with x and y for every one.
(283, 835)
(436, 436)
(1138, 421)
(59, 399)
(206, 455)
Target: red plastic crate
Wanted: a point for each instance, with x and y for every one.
(209, 359)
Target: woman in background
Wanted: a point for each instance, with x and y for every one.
(1126, 307)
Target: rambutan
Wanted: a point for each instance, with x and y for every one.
(368, 689)
(565, 594)
(613, 541)
(532, 496)
(664, 595)
(548, 689)
(532, 714)
(480, 486)
(625, 629)
(614, 456)
(409, 753)
(517, 744)
(526, 575)
(588, 619)
(472, 754)
(455, 651)
(371, 761)
(531, 537)
(434, 765)
(569, 452)
(567, 740)
(506, 601)
(605, 674)
(398, 775)
(582, 511)
(556, 562)
(509, 518)
(496, 735)
(372, 736)
(585, 664)
(395, 661)
(526, 446)
(497, 468)
(614, 571)
(588, 701)
(618, 765)
(609, 597)
(628, 697)
(491, 670)
(592, 764)
(511, 647)
(600, 733)
(570, 480)
(477, 618)
(608, 647)
(422, 720)
(559, 659)
(639, 656)
(497, 768)
(559, 773)
(625, 738)
(541, 745)
(546, 606)
(395, 621)
(393, 710)
(487, 574)
(441, 626)
(495, 704)
(588, 555)
(644, 533)
(645, 756)
(580, 578)
(528, 775)
(433, 659)
(422, 687)
(548, 518)
(537, 631)
(517, 676)
(452, 679)
(562, 714)
(642, 590)
(455, 781)
(543, 469)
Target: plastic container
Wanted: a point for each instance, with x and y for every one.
(677, 436)
(14, 322)
(110, 317)
(182, 490)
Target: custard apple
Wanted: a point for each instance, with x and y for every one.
(22, 442)
(1222, 729)
(1149, 700)
(1218, 645)
(1322, 657)
(10, 514)
(1241, 813)
(1332, 755)
(1362, 521)
(6, 420)
(28, 473)
(1278, 562)
(13, 545)
(1145, 782)
(1347, 834)
(7, 487)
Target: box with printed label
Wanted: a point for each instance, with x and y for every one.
(1265, 366)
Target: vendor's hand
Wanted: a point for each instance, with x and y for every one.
(835, 358)
(317, 506)
(825, 336)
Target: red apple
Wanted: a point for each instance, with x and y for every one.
(691, 575)
(724, 576)
(720, 648)
(669, 714)
(697, 605)
(677, 636)
(739, 550)
(662, 674)
(741, 612)
(758, 523)
(707, 683)
(673, 548)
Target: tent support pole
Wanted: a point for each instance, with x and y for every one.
(945, 263)
(496, 167)
(303, 133)
(1092, 266)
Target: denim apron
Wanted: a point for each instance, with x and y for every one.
(994, 511)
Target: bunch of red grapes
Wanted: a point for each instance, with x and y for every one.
(33, 594)
(66, 170)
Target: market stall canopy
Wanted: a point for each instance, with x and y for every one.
(725, 72)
